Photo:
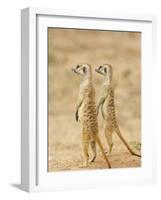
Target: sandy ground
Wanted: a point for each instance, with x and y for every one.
(66, 48)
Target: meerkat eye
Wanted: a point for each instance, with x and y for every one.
(105, 70)
(100, 67)
(77, 66)
(84, 70)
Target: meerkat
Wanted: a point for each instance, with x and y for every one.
(108, 113)
(86, 114)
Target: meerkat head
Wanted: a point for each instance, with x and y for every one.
(105, 69)
(82, 69)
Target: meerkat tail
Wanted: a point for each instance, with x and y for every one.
(117, 130)
(102, 150)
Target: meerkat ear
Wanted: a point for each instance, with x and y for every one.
(105, 70)
(84, 69)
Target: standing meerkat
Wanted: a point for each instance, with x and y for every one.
(108, 113)
(86, 114)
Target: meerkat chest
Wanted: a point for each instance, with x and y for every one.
(88, 114)
(87, 94)
(88, 109)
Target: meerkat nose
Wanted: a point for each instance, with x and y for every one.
(97, 69)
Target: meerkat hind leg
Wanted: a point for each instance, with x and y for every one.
(108, 134)
(85, 144)
(96, 137)
(86, 156)
(93, 148)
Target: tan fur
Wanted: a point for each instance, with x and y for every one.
(108, 111)
(86, 113)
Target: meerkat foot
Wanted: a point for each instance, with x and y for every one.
(85, 164)
(109, 150)
(93, 148)
(92, 159)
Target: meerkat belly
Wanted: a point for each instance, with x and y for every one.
(89, 117)
(110, 111)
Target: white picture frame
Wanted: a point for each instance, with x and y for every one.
(34, 175)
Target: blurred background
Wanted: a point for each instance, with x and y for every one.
(67, 48)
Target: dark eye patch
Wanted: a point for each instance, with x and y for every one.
(84, 69)
(100, 67)
(77, 66)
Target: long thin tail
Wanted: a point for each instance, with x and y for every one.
(96, 138)
(117, 130)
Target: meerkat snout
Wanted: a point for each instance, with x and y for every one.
(81, 69)
(98, 68)
(101, 70)
(73, 69)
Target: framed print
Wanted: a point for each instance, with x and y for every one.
(86, 110)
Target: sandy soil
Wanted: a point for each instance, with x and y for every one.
(66, 48)
(73, 162)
